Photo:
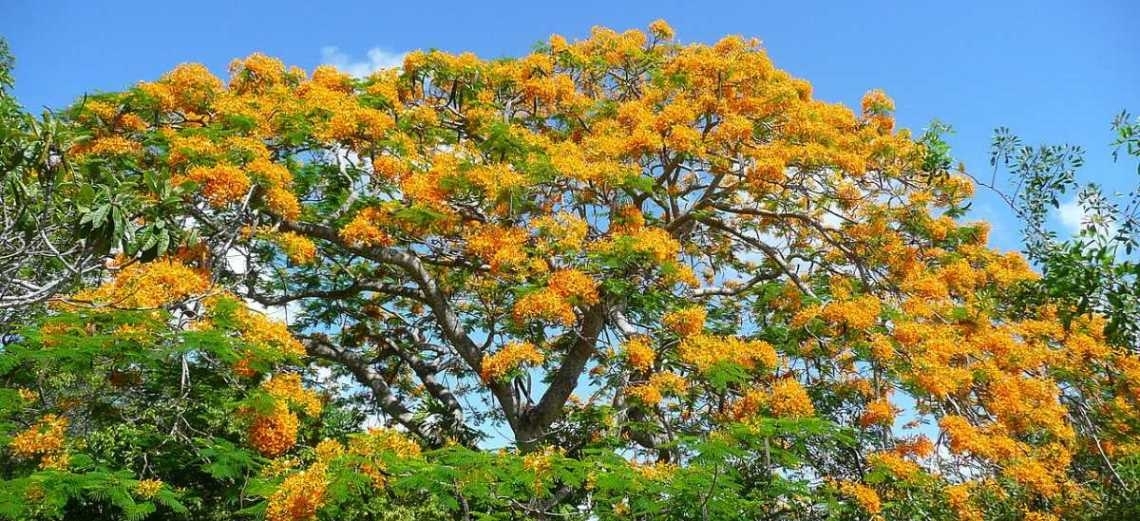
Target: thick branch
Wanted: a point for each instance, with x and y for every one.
(565, 380)
(365, 374)
(445, 316)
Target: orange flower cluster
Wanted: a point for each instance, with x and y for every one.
(381, 440)
(638, 353)
(705, 351)
(958, 498)
(564, 290)
(878, 412)
(27, 395)
(261, 331)
(502, 248)
(370, 449)
(148, 488)
(658, 385)
(298, 248)
(859, 314)
(510, 357)
(44, 440)
(273, 434)
(328, 449)
(894, 464)
(299, 496)
(288, 388)
(864, 496)
(147, 286)
(365, 230)
(656, 471)
(221, 184)
(540, 463)
(544, 304)
(561, 232)
(656, 243)
(789, 399)
(686, 322)
(277, 181)
(575, 286)
(108, 146)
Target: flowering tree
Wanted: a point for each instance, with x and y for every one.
(671, 281)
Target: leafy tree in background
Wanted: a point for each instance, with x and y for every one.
(1096, 271)
(43, 250)
(666, 279)
(1090, 274)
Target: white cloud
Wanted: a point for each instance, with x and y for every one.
(1071, 216)
(375, 60)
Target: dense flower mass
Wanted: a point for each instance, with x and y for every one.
(706, 351)
(299, 496)
(510, 357)
(221, 184)
(147, 285)
(275, 432)
(288, 388)
(686, 322)
(645, 268)
(44, 440)
(639, 353)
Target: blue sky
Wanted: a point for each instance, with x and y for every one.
(1053, 71)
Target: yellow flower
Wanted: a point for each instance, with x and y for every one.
(299, 496)
(148, 285)
(661, 29)
(258, 329)
(148, 488)
(27, 395)
(653, 391)
(45, 440)
(864, 496)
(364, 230)
(895, 464)
(573, 284)
(499, 247)
(275, 433)
(256, 72)
(789, 399)
(656, 471)
(686, 322)
(329, 449)
(389, 440)
(298, 248)
(509, 358)
(859, 314)
(705, 351)
(110, 146)
(288, 388)
(544, 304)
(639, 353)
(877, 102)
(878, 412)
(562, 231)
(221, 184)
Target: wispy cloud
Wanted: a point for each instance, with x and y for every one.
(376, 59)
(1074, 217)
(1071, 216)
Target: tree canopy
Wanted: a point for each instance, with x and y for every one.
(617, 278)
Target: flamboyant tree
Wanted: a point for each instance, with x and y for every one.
(669, 279)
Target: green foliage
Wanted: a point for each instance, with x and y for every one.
(1094, 271)
(147, 405)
